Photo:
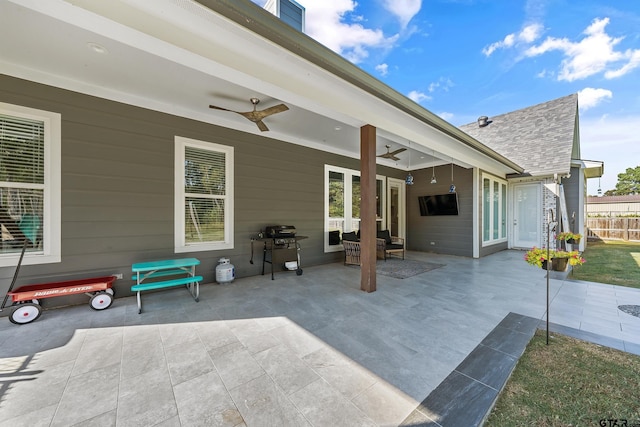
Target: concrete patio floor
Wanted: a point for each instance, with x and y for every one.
(298, 350)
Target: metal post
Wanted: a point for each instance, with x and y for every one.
(551, 226)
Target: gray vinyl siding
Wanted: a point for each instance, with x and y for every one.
(492, 249)
(118, 183)
(451, 234)
(572, 197)
(291, 14)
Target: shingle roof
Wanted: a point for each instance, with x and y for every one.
(538, 138)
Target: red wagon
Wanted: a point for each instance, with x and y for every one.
(26, 306)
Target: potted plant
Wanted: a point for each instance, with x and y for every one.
(574, 257)
(569, 237)
(536, 256)
(559, 259)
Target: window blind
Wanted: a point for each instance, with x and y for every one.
(204, 172)
(21, 150)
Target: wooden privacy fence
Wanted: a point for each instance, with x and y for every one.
(614, 228)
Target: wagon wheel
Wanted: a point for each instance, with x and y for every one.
(101, 300)
(25, 313)
(110, 291)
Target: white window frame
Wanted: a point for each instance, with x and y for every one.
(502, 202)
(180, 245)
(348, 203)
(51, 223)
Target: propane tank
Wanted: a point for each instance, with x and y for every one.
(225, 271)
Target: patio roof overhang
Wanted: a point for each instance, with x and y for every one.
(179, 57)
(592, 168)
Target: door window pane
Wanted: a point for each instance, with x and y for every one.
(494, 210)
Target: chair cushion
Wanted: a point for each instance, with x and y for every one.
(334, 237)
(390, 246)
(350, 236)
(384, 234)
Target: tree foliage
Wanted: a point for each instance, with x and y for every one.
(628, 183)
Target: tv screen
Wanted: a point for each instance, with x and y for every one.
(439, 204)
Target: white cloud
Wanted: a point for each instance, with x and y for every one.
(634, 62)
(332, 23)
(443, 84)
(404, 10)
(591, 55)
(447, 116)
(383, 69)
(418, 97)
(542, 74)
(590, 97)
(528, 34)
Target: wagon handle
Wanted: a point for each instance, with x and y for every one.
(15, 274)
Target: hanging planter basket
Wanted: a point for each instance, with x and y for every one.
(569, 237)
(557, 264)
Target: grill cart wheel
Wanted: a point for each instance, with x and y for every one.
(299, 272)
(25, 313)
(101, 300)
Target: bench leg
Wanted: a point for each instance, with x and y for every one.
(194, 290)
(139, 303)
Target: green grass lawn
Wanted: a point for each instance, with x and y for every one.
(570, 383)
(612, 262)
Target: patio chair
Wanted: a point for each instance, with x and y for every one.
(388, 244)
(351, 246)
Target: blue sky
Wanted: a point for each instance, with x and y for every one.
(462, 59)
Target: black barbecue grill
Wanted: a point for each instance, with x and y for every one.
(280, 242)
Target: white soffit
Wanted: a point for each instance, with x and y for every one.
(187, 44)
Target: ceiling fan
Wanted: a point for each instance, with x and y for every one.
(391, 155)
(257, 116)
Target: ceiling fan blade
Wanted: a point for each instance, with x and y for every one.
(256, 116)
(271, 110)
(399, 150)
(223, 109)
(262, 126)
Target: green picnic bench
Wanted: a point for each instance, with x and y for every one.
(151, 275)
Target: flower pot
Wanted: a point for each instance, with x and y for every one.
(557, 264)
(573, 241)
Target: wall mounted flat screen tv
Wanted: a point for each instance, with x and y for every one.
(439, 204)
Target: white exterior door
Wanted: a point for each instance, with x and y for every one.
(396, 207)
(527, 212)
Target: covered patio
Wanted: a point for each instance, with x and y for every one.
(299, 350)
(136, 85)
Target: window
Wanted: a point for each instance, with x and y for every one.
(29, 185)
(203, 196)
(289, 11)
(342, 203)
(494, 210)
